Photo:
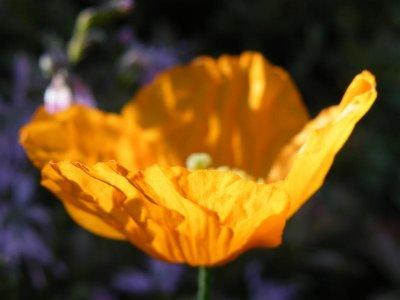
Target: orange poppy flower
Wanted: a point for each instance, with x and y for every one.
(123, 176)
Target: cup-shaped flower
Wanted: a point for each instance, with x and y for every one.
(123, 175)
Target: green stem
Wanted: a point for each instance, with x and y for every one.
(203, 289)
(88, 19)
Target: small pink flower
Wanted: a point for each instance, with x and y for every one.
(58, 95)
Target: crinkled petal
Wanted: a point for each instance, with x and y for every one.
(115, 208)
(306, 160)
(92, 223)
(251, 209)
(87, 213)
(201, 218)
(239, 109)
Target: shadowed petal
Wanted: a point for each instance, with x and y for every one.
(84, 213)
(79, 133)
(201, 218)
(99, 206)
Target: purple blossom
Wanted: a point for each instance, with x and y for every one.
(21, 76)
(124, 6)
(23, 222)
(125, 36)
(266, 289)
(6, 173)
(133, 281)
(21, 237)
(99, 293)
(13, 157)
(149, 59)
(159, 277)
(82, 94)
(20, 243)
(166, 276)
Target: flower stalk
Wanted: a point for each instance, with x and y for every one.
(88, 19)
(204, 282)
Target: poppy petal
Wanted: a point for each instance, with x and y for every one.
(166, 212)
(306, 160)
(240, 109)
(79, 133)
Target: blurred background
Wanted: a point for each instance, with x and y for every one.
(344, 243)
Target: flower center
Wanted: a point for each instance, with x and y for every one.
(198, 161)
(201, 160)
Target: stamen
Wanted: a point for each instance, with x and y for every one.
(198, 161)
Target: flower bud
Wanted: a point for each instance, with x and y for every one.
(58, 95)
